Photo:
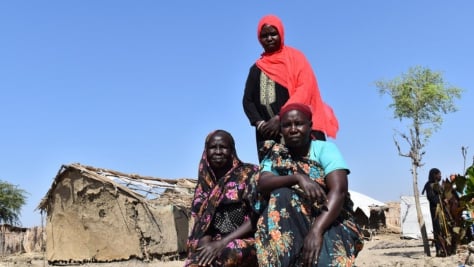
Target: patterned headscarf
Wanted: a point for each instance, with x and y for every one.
(211, 190)
(206, 177)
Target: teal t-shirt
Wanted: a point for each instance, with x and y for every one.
(324, 152)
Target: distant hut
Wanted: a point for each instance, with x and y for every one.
(369, 213)
(393, 217)
(100, 215)
(14, 240)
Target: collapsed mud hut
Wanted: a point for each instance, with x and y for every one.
(100, 215)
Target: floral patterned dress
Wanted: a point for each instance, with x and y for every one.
(219, 208)
(286, 216)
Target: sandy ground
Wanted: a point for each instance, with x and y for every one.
(389, 250)
(384, 250)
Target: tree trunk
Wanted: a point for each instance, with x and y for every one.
(419, 213)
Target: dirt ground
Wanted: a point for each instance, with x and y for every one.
(384, 250)
(388, 250)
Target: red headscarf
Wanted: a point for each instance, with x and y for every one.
(290, 68)
(305, 109)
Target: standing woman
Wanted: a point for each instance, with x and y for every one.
(282, 75)
(222, 234)
(302, 195)
(434, 194)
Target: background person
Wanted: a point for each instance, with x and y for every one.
(222, 234)
(282, 75)
(440, 216)
(302, 196)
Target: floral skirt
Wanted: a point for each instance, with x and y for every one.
(285, 222)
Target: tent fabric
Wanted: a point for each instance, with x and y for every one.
(409, 218)
(364, 203)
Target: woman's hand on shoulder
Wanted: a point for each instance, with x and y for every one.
(311, 188)
(271, 128)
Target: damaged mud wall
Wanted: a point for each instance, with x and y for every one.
(15, 240)
(94, 221)
(393, 217)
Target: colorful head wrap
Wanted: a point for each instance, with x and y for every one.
(211, 190)
(305, 109)
(206, 177)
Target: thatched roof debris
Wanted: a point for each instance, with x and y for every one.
(177, 192)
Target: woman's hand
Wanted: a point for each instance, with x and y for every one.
(271, 128)
(311, 188)
(312, 247)
(336, 182)
(208, 251)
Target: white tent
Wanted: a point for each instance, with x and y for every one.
(364, 203)
(409, 219)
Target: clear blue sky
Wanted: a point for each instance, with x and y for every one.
(135, 86)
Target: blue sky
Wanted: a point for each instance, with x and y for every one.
(135, 86)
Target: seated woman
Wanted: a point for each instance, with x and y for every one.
(302, 196)
(222, 234)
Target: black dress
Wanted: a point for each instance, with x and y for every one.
(263, 99)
